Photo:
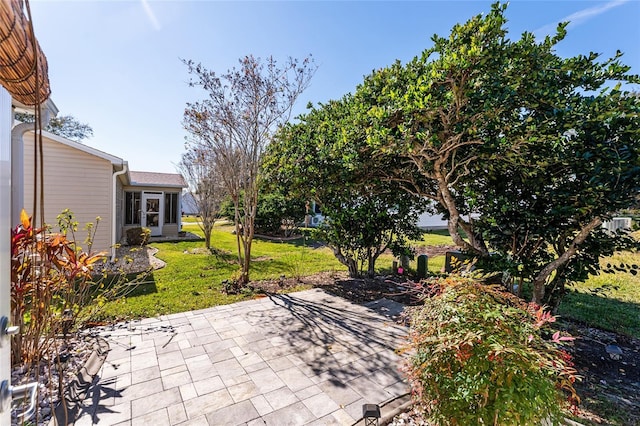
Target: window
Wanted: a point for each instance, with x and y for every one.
(170, 208)
(132, 208)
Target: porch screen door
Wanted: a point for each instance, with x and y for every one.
(152, 212)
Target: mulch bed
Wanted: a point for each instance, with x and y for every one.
(608, 386)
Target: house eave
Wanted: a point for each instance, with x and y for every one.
(48, 106)
(154, 185)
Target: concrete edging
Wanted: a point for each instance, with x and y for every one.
(393, 407)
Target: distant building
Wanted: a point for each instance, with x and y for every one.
(431, 222)
(189, 205)
(616, 223)
(314, 216)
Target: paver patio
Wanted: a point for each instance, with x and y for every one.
(290, 359)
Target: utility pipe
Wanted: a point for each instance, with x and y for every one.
(114, 212)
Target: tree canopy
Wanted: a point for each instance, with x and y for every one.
(542, 148)
(325, 157)
(243, 108)
(199, 167)
(526, 153)
(66, 126)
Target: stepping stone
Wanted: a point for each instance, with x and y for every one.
(614, 352)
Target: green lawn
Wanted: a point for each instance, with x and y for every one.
(193, 276)
(189, 219)
(438, 237)
(608, 301)
(193, 279)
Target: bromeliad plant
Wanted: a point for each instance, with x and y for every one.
(482, 356)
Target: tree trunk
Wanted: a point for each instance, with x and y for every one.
(248, 225)
(236, 221)
(554, 292)
(371, 266)
(353, 268)
(246, 264)
(350, 263)
(207, 236)
(244, 275)
(541, 279)
(448, 202)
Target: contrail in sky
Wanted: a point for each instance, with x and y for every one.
(579, 17)
(152, 17)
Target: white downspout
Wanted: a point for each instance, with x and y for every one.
(114, 212)
(179, 211)
(17, 171)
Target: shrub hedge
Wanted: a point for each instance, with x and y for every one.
(138, 236)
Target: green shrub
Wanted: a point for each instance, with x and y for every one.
(138, 236)
(278, 214)
(479, 357)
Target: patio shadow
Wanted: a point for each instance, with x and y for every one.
(329, 338)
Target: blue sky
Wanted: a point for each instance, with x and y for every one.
(116, 64)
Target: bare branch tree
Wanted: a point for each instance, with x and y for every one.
(206, 186)
(244, 108)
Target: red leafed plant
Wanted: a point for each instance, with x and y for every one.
(51, 281)
(480, 355)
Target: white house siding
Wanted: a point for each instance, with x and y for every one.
(73, 180)
(616, 223)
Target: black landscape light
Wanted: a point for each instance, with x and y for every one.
(370, 414)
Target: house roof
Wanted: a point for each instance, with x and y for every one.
(188, 204)
(156, 179)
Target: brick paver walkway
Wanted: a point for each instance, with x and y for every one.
(294, 359)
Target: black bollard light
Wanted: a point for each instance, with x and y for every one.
(371, 414)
